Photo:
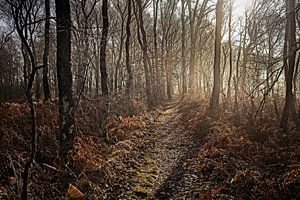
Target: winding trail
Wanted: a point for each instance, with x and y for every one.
(159, 172)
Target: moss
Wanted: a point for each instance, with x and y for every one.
(152, 169)
(141, 192)
(145, 176)
(148, 159)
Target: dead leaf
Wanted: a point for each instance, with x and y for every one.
(216, 190)
(74, 193)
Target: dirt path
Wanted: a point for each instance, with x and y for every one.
(159, 172)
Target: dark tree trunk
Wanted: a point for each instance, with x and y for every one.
(129, 83)
(104, 78)
(290, 62)
(64, 77)
(46, 88)
(29, 94)
(214, 103)
(295, 78)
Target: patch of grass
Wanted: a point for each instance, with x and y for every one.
(145, 176)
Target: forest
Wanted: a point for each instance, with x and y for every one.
(149, 99)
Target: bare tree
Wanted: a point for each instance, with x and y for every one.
(103, 70)
(290, 61)
(127, 53)
(142, 38)
(196, 18)
(15, 9)
(230, 51)
(214, 102)
(64, 77)
(122, 12)
(183, 33)
(46, 87)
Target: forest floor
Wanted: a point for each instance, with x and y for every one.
(158, 168)
(189, 155)
(174, 152)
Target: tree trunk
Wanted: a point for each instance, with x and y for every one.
(97, 55)
(46, 89)
(237, 76)
(118, 64)
(192, 14)
(230, 55)
(25, 65)
(64, 77)
(155, 47)
(103, 70)
(290, 64)
(214, 103)
(129, 83)
(183, 33)
(29, 94)
(146, 60)
(169, 72)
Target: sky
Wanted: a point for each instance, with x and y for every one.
(240, 6)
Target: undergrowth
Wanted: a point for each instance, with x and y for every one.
(244, 157)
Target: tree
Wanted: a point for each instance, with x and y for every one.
(83, 14)
(104, 77)
(122, 13)
(142, 38)
(46, 89)
(289, 62)
(64, 77)
(157, 86)
(16, 9)
(169, 38)
(127, 53)
(184, 85)
(230, 52)
(214, 102)
(195, 18)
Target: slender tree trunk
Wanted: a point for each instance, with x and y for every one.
(183, 33)
(290, 66)
(118, 64)
(46, 88)
(29, 94)
(214, 103)
(192, 76)
(169, 72)
(225, 51)
(129, 83)
(103, 67)
(97, 66)
(97, 55)
(25, 66)
(155, 47)
(296, 74)
(146, 60)
(230, 54)
(64, 77)
(237, 76)
(242, 81)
